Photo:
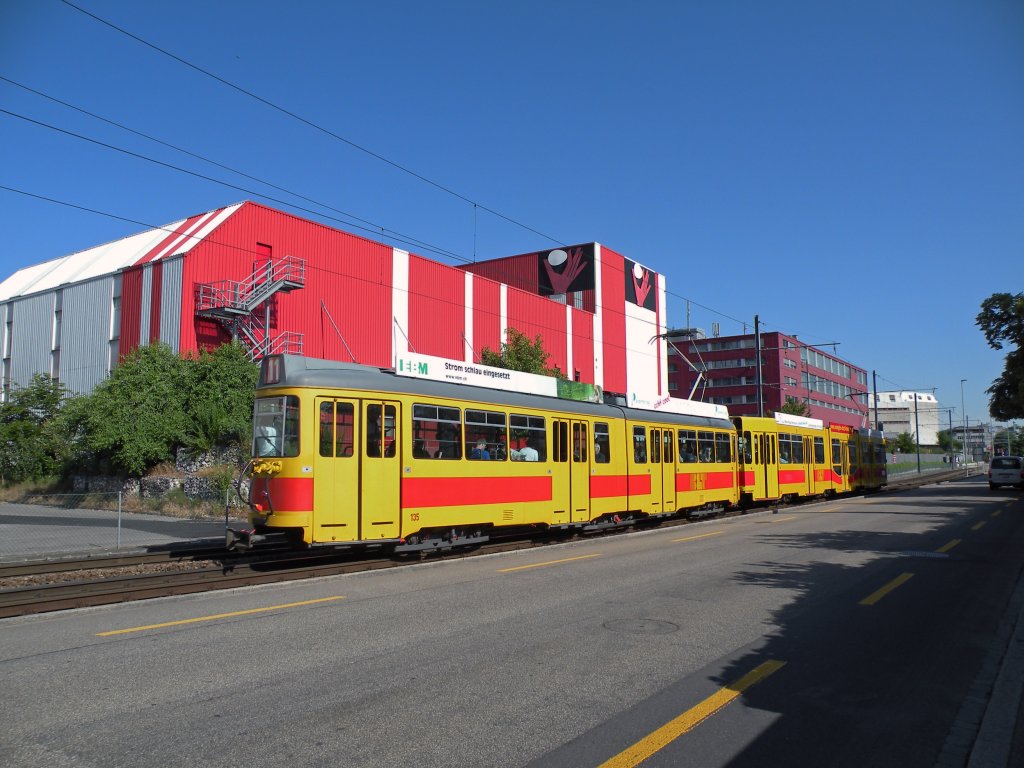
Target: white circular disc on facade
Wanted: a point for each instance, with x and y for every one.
(638, 272)
(557, 258)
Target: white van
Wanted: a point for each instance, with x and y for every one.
(1006, 470)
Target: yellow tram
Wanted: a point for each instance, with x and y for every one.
(350, 454)
(788, 457)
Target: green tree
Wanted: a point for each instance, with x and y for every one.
(33, 446)
(520, 354)
(947, 442)
(138, 416)
(795, 407)
(1002, 321)
(904, 443)
(222, 388)
(1008, 441)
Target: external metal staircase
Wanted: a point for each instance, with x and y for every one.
(243, 307)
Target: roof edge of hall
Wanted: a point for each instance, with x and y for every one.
(74, 267)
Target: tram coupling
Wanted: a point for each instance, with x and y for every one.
(245, 539)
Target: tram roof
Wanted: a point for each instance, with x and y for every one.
(301, 371)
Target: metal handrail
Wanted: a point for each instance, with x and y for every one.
(246, 295)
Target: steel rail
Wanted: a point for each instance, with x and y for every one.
(233, 571)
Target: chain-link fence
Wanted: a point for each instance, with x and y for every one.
(76, 523)
(907, 463)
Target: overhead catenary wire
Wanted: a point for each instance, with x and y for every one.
(311, 124)
(350, 221)
(247, 191)
(407, 239)
(377, 230)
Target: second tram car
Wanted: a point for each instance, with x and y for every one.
(787, 457)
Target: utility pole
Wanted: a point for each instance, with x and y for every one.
(757, 362)
(952, 452)
(874, 394)
(963, 410)
(917, 435)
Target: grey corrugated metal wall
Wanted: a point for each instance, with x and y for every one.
(145, 304)
(85, 334)
(32, 337)
(170, 303)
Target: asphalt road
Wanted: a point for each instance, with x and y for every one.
(842, 633)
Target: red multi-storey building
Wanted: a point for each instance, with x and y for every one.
(726, 373)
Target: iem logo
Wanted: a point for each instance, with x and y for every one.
(415, 368)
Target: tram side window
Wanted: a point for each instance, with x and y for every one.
(486, 435)
(380, 431)
(819, 450)
(879, 453)
(437, 432)
(529, 438)
(580, 443)
(602, 445)
(655, 443)
(705, 447)
(723, 448)
(669, 452)
(687, 446)
(336, 429)
(854, 462)
(791, 449)
(639, 445)
(837, 457)
(275, 432)
(560, 448)
(785, 454)
(746, 448)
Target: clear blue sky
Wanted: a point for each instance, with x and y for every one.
(851, 172)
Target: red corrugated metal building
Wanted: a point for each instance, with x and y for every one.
(279, 282)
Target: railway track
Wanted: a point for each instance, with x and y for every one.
(56, 585)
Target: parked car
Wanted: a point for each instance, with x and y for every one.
(1006, 470)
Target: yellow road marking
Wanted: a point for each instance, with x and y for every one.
(996, 513)
(976, 526)
(783, 519)
(829, 509)
(218, 616)
(549, 562)
(876, 596)
(702, 536)
(672, 730)
(946, 547)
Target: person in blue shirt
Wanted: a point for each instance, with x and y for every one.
(480, 452)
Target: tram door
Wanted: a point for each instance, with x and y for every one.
(809, 463)
(336, 472)
(668, 470)
(561, 473)
(770, 457)
(579, 493)
(840, 466)
(657, 476)
(379, 494)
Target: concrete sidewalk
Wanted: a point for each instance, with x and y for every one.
(29, 531)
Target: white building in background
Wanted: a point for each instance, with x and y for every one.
(896, 412)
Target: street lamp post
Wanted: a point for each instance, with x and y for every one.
(952, 451)
(963, 411)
